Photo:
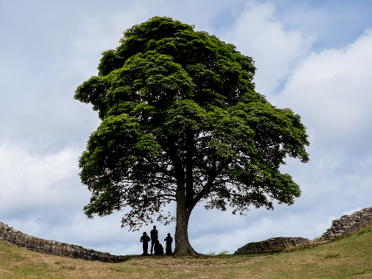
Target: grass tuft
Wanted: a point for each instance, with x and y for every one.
(365, 230)
(331, 255)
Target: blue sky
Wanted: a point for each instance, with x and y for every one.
(314, 57)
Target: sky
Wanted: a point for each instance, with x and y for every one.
(313, 57)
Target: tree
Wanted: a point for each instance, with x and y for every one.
(181, 122)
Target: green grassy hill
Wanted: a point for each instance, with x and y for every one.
(349, 257)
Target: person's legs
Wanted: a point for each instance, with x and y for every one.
(145, 248)
(168, 249)
(152, 245)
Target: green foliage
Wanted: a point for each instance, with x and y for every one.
(181, 121)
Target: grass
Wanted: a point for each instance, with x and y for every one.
(349, 257)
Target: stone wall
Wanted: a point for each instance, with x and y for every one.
(341, 227)
(52, 247)
(348, 224)
(276, 244)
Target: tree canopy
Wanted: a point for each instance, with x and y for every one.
(181, 122)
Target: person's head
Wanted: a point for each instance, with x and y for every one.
(157, 241)
(144, 233)
(168, 234)
(154, 227)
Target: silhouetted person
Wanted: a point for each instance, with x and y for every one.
(168, 245)
(154, 237)
(145, 239)
(159, 250)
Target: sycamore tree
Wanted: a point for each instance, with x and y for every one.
(181, 122)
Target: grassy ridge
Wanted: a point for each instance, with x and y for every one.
(349, 257)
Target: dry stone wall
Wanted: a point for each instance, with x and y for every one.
(348, 224)
(341, 227)
(32, 243)
(276, 244)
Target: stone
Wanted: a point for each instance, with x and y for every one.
(276, 244)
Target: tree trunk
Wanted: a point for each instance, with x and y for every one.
(182, 244)
(183, 247)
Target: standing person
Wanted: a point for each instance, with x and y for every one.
(145, 239)
(154, 237)
(168, 247)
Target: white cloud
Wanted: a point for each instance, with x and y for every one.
(98, 33)
(32, 182)
(349, 212)
(259, 35)
(41, 195)
(321, 228)
(332, 91)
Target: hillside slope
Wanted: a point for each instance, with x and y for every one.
(345, 258)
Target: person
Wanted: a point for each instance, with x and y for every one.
(145, 239)
(154, 237)
(168, 245)
(158, 249)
